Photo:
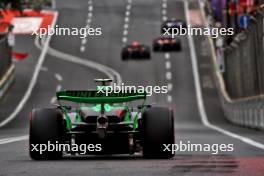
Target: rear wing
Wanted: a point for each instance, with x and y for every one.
(95, 97)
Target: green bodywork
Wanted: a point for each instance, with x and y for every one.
(100, 102)
(95, 97)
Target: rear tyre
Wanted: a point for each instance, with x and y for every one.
(179, 47)
(46, 125)
(157, 129)
(147, 53)
(155, 47)
(124, 56)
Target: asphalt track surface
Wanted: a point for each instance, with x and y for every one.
(144, 25)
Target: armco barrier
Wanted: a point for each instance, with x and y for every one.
(6, 66)
(241, 88)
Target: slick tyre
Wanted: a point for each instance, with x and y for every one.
(147, 53)
(155, 47)
(124, 55)
(46, 125)
(157, 130)
(178, 47)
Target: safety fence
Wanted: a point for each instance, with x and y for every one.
(241, 85)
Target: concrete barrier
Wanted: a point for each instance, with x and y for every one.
(247, 108)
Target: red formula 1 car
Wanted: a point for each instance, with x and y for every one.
(166, 44)
(135, 51)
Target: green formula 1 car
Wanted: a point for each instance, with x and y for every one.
(105, 123)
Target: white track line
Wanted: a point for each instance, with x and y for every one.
(128, 7)
(168, 75)
(164, 12)
(33, 80)
(53, 4)
(199, 96)
(169, 98)
(58, 77)
(13, 139)
(90, 8)
(58, 88)
(168, 65)
(126, 21)
(125, 32)
(167, 55)
(53, 100)
(82, 49)
(124, 39)
(88, 22)
(45, 69)
(126, 25)
(84, 41)
(111, 73)
(170, 86)
(87, 26)
(90, 14)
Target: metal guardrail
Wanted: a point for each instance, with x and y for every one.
(241, 87)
